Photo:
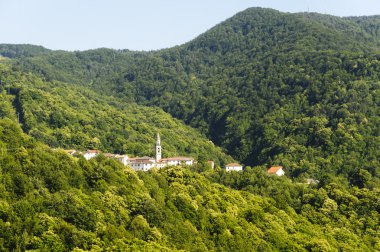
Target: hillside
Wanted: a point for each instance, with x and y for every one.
(50, 201)
(65, 116)
(269, 88)
(300, 89)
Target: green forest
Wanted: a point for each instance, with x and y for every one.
(53, 202)
(262, 88)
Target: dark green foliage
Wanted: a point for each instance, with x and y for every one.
(370, 24)
(297, 90)
(51, 201)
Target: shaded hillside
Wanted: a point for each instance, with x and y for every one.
(50, 201)
(65, 116)
(300, 90)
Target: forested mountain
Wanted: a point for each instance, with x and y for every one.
(269, 88)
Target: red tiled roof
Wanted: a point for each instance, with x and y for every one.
(234, 164)
(178, 158)
(274, 169)
(93, 151)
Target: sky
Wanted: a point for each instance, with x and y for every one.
(140, 24)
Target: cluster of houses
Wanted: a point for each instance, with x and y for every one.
(147, 163)
(141, 163)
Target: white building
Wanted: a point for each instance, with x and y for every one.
(158, 148)
(142, 163)
(160, 164)
(123, 159)
(277, 170)
(147, 163)
(234, 167)
(174, 161)
(91, 154)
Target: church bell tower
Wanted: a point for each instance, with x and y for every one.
(158, 148)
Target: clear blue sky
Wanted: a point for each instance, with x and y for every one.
(139, 24)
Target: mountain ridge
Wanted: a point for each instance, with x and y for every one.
(31, 50)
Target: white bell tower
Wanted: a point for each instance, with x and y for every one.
(158, 148)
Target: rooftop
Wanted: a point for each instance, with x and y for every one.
(233, 164)
(178, 159)
(274, 169)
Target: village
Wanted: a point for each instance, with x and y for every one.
(146, 163)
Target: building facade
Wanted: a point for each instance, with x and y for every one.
(91, 154)
(147, 163)
(234, 167)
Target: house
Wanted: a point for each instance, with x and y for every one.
(90, 154)
(145, 163)
(234, 167)
(142, 163)
(174, 161)
(161, 164)
(122, 158)
(277, 170)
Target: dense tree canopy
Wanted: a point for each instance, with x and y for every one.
(269, 88)
(52, 201)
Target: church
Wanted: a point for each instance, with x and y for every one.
(147, 163)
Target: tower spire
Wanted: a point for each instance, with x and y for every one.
(158, 142)
(158, 148)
